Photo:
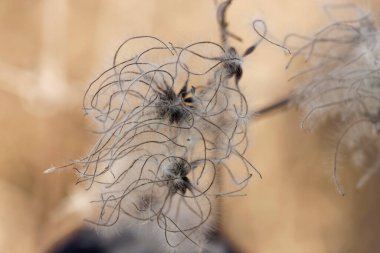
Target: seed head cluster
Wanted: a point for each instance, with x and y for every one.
(170, 119)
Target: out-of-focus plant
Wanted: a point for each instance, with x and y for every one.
(341, 84)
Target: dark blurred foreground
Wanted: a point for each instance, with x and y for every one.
(87, 241)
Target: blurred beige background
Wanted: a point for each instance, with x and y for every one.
(50, 50)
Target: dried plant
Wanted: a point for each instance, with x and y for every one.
(342, 83)
(171, 118)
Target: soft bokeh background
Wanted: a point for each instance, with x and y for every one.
(50, 50)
